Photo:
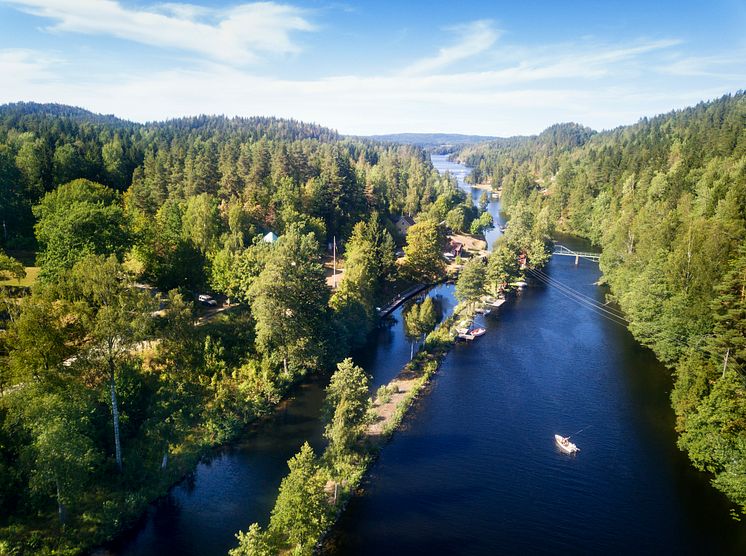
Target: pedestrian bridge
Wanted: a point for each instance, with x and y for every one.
(561, 250)
(389, 308)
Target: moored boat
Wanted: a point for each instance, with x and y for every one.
(564, 443)
(490, 301)
(476, 332)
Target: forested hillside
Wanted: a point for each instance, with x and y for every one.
(665, 199)
(112, 385)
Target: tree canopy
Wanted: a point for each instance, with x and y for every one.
(77, 219)
(665, 199)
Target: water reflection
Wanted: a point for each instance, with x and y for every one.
(476, 469)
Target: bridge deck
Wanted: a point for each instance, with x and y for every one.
(401, 298)
(566, 252)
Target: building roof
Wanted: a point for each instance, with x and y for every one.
(271, 237)
(405, 219)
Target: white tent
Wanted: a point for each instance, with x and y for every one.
(271, 237)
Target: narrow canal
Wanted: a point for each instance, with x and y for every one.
(201, 515)
(476, 469)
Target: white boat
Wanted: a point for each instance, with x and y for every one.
(476, 332)
(564, 443)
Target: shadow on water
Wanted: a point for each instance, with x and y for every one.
(476, 469)
(238, 486)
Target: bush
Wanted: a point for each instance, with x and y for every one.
(383, 394)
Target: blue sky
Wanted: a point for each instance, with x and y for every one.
(488, 67)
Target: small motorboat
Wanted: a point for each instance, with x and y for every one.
(564, 443)
(476, 332)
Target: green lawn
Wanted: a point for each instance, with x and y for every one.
(31, 273)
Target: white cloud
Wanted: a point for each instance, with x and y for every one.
(474, 38)
(27, 68)
(366, 105)
(183, 11)
(731, 66)
(585, 82)
(235, 35)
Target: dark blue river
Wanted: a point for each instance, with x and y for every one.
(201, 515)
(476, 469)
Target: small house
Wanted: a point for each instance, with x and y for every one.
(455, 248)
(404, 223)
(271, 237)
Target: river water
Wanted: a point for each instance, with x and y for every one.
(476, 469)
(201, 515)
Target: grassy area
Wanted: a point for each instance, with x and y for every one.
(32, 272)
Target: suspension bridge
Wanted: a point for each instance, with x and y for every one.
(560, 249)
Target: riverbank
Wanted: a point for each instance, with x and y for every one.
(243, 474)
(389, 408)
(392, 401)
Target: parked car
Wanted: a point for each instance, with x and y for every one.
(207, 300)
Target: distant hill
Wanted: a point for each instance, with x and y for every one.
(52, 118)
(18, 113)
(432, 139)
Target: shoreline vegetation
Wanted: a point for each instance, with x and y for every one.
(665, 200)
(112, 392)
(317, 489)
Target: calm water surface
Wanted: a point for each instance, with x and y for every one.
(476, 470)
(201, 515)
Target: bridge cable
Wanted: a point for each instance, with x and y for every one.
(592, 307)
(604, 307)
(580, 298)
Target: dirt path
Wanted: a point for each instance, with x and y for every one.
(385, 411)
